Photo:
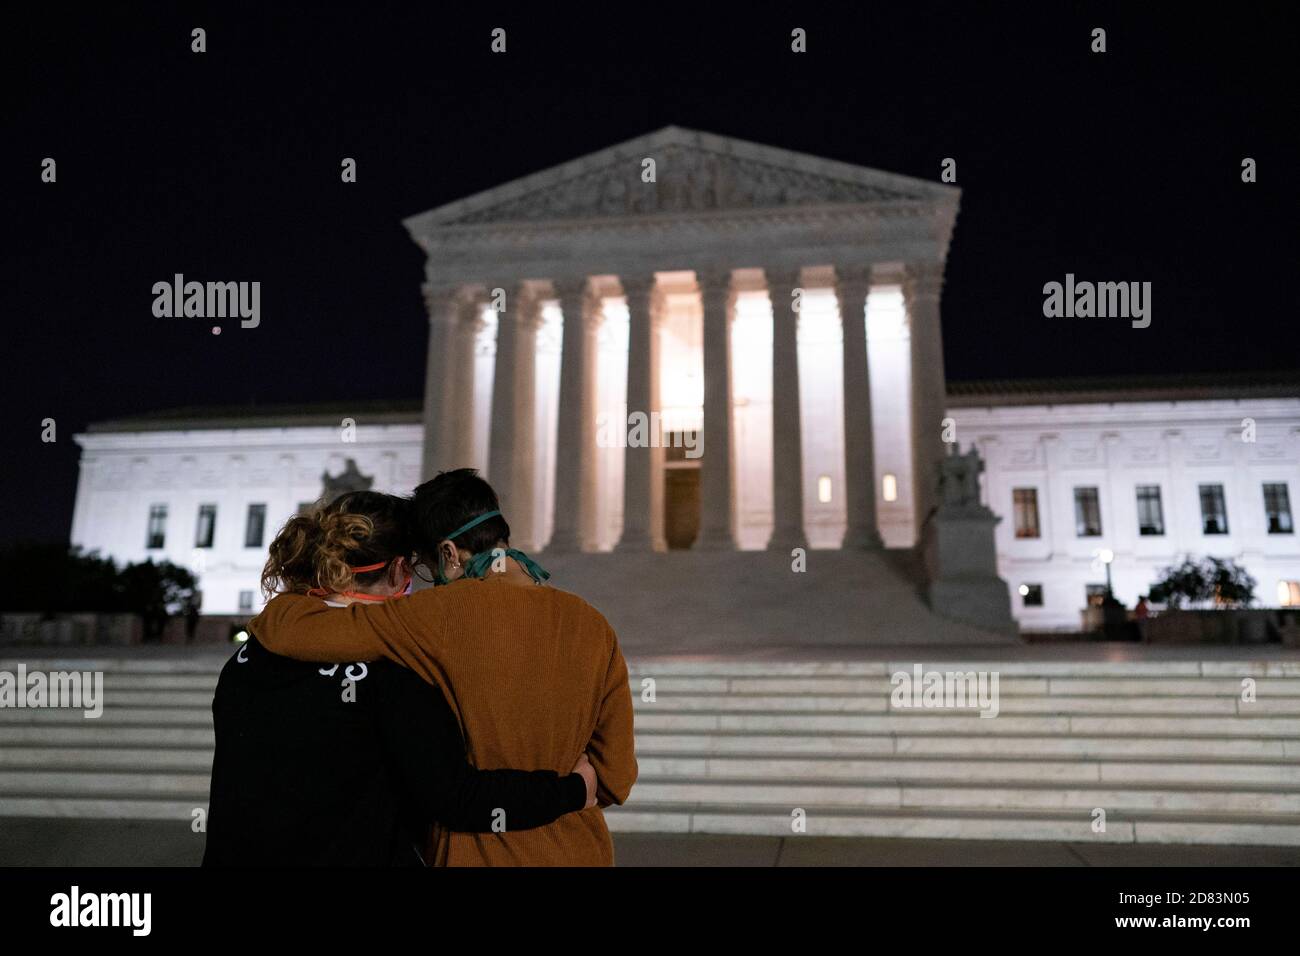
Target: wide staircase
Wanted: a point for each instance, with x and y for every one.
(1155, 751)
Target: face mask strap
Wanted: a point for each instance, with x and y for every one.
(442, 576)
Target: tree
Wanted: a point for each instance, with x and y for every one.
(1217, 582)
(54, 579)
(155, 592)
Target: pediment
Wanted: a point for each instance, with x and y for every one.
(693, 173)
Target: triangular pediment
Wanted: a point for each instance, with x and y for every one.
(693, 173)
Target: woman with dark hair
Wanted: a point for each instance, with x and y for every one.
(349, 764)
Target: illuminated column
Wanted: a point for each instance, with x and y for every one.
(922, 284)
(510, 449)
(852, 287)
(787, 431)
(443, 304)
(717, 497)
(643, 491)
(464, 339)
(575, 443)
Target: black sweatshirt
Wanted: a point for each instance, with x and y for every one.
(346, 765)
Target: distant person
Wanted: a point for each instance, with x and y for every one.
(350, 764)
(1141, 610)
(191, 618)
(534, 674)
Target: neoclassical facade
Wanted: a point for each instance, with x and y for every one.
(703, 259)
(688, 344)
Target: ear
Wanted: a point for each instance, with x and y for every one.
(449, 552)
(399, 570)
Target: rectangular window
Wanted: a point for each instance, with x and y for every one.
(157, 534)
(1025, 505)
(1087, 513)
(255, 526)
(207, 527)
(245, 602)
(1032, 595)
(1095, 594)
(1151, 516)
(1214, 512)
(1288, 593)
(1277, 509)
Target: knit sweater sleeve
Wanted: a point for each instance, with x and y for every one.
(612, 749)
(307, 629)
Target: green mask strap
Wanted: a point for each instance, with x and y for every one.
(477, 566)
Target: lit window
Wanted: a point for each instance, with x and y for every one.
(1214, 512)
(1087, 513)
(1288, 593)
(1151, 516)
(824, 489)
(157, 526)
(889, 487)
(1277, 509)
(255, 526)
(207, 526)
(1024, 503)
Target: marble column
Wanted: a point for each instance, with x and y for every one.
(510, 444)
(717, 491)
(787, 427)
(643, 491)
(922, 284)
(443, 304)
(464, 341)
(575, 442)
(862, 532)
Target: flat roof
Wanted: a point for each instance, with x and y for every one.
(1206, 386)
(386, 412)
(961, 394)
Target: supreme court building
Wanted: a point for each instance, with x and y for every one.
(701, 354)
(779, 313)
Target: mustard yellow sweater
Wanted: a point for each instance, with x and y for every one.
(534, 675)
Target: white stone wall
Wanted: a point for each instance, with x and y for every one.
(124, 474)
(1115, 447)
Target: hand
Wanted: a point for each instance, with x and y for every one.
(588, 773)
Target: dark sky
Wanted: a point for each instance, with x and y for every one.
(225, 165)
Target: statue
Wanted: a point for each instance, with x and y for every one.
(959, 480)
(350, 479)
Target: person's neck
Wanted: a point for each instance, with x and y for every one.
(513, 572)
(346, 599)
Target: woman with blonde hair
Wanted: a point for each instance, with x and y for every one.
(350, 763)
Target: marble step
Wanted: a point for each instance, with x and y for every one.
(916, 823)
(739, 793)
(1244, 724)
(208, 664)
(92, 734)
(1229, 688)
(703, 769)
(830, 703)
(962, 722)
(941, 823)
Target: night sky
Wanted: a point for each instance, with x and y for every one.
(1122, 166)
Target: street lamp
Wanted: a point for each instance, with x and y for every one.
(1106, 556)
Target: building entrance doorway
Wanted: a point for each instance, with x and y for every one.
(681, 495)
